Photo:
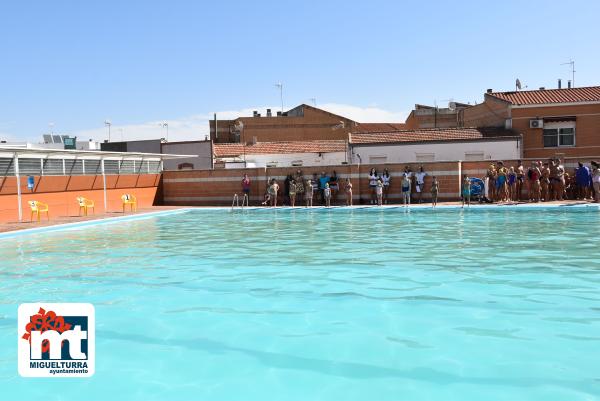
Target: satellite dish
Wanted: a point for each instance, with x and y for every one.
(518, 84)
(452, 105)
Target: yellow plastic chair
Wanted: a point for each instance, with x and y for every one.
(38, 208)
(85, 204)
(129, 200)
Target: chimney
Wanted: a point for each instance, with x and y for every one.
(269, 113)
(278, 114)
(490, 90)
(569, 84)
(255, 113)
(559, 83)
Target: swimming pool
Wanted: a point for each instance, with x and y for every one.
(338, 304)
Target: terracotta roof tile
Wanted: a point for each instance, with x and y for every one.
(545, 96)
(433, 134)
(379, 127)
(237, 149)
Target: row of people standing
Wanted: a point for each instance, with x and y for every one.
(379, 185)
(542, 181)
(298, 188)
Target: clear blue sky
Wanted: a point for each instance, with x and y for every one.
(76, 63)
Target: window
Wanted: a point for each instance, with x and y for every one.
(558, 134)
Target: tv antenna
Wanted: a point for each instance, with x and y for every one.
(313, 100)
(572, 64)
(280, 86)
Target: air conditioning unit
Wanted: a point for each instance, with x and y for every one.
(536, 123)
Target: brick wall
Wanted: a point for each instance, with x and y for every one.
(60, 193)
(587, 131)
(216, 187)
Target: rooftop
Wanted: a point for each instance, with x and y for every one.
(432, 135)
(379, 127)
(236, 149)
(549, 96)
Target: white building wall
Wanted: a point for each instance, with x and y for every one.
(411, 153)
(286, 159)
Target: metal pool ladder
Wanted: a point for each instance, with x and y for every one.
(236, 201)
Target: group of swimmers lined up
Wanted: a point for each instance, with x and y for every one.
(543, 181)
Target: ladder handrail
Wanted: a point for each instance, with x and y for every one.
(235, 201)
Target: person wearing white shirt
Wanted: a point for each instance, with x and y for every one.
(420, 177)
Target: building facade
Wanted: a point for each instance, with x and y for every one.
(433, 145)
(553, 122)
(280, 154)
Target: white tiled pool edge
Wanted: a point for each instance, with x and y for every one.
(141, 216)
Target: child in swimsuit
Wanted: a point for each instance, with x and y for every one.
(327, 195)
(348, 189)
(292, 193)
(466, 191)
(435, 186)
(308, 193)
(379, 192)
(512, 184)
(406, 185)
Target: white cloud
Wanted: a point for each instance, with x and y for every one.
(195, 127)
(365, 114)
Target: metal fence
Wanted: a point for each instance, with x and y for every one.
(46, 166)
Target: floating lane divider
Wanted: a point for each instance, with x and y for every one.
(82, 224)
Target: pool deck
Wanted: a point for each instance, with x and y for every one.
(61, 220)
(7, 227)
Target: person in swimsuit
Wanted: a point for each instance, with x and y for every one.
(491, 182)
(308, 193)
(327, 195)
(512, 184)
(435, 187)
(348, 189)
(273, 189)
(386, 179)
(561, 184)
(373, 185)
(379, 191)
(293, 190)
(420, 178)
(406, 187)
(334, 186)
(520, 170)
(466, 191)
(501, 185)
(545, 182)
(534, 182)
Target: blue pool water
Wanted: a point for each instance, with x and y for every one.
(365, 304)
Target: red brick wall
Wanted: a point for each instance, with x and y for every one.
(216, 187)
(587, 131)
(60, 193)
